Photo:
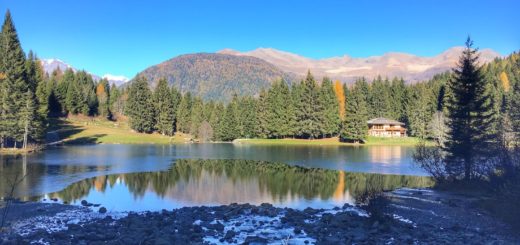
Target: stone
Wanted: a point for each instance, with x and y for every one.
(84, 202)
(102, 210)
(229, 235)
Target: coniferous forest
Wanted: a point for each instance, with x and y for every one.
(310, 109)
(263, 146)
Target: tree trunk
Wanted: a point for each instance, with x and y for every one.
(25, 135)
(467, 168)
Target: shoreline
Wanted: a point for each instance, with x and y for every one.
(412, 216)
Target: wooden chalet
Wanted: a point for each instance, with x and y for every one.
(383, 127)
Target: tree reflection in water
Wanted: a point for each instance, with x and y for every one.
(206, 182)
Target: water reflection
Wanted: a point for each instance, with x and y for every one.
(214, 182)
(56, 168)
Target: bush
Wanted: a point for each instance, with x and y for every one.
(431, 159)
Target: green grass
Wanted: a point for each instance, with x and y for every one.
(84, 130)
(87, 130)
(407, 141)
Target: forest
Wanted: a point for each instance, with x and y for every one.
(309, 109)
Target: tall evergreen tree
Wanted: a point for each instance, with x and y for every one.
(261, 129)
(164, 108)
(229, 130)
(13, 81)
(309, 109)
(196, 117)
(140, 106)
(470, 113)
(331, 117)
(355, 126)
(184, 113)
(421, 111)
(215, 120)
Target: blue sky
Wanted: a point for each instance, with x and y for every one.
(124, 37)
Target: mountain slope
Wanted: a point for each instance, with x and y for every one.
(410, 67)
(216, 76)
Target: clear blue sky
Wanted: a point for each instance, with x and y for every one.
(123, 37)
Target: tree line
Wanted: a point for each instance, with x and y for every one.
(308, 109)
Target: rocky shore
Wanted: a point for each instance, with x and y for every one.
(411, 217)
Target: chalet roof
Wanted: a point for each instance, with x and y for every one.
(382, 120)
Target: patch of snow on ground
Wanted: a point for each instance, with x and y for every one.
(60, 220)
(403, 219)
(270, 228)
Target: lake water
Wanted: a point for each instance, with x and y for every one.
(149, 177)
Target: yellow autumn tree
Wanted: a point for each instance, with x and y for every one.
(340, 95)
(505, 81)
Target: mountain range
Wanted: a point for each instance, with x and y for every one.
(410, 67)
(221, 75)
(49, 65)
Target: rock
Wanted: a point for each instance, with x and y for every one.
(102, 210)
(84, 202)
(229, 235)
(255, 240)
(375, 225)
(297, 230)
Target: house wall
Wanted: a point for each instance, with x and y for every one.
(383, 130)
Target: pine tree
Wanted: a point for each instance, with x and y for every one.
(140, 106)
(228, 124)
(29, 118)
(184, 113)
(215, 120)
(469, 116)
(262, 115)
(13, 83)
(331, 117)
(247, 111)
(355, 126)
(421, 111)
(310, 109)
(165, 109)
(65, 94)
(380, 98)
(196, 117)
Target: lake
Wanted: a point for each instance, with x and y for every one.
(152, 177)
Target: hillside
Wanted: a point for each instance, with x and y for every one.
(216, 76)
(345, 68)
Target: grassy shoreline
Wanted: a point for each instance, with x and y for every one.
(79, 130)
(371, 141)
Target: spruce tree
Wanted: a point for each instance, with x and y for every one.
(355, 126)
(331, 117)
(310, 109)
(261, 129)
(29, 119)
(164, 108)
(184, 113)
(215, 120)
(140, 106)
(228, 124)
(421, 111)
(196, 117)
(470, 114)
(14, 83)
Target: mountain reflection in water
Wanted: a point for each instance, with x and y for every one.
(216, 182)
